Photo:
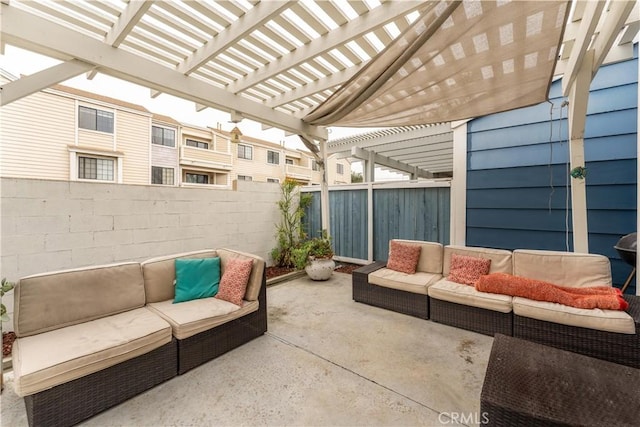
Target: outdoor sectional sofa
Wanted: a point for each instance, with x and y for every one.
(91, 338)
(605, 334)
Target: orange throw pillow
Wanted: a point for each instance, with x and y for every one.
(467, 269)
(235, 278)
(403, 257)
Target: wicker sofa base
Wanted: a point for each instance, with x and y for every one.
(69, 403)
(483, 321)
(528, 384)
(623, 349)
(416, 305)
(207, 345)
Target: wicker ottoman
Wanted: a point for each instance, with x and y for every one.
(530, 384)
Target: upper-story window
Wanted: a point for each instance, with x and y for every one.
(244, 178)
(340, 168)
(93, 119)
(288, 161)
(197, 144)
(163, 136)
(245, 152)
(273, 157)
(314, 165)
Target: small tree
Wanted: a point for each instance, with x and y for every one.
(356, 177)
(289, 232)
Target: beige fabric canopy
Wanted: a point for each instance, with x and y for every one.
(457, 60)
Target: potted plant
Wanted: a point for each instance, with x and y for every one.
(316, 257)
(4, 317)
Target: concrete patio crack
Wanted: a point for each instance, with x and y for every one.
(306, 350)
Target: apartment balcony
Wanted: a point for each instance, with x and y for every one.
(192, 156)
(299, 172)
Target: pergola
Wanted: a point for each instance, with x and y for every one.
(301, 66)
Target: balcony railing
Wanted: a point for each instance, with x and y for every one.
(205, 158)
(299, 172)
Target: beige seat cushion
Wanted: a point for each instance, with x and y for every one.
(430, 260)
(51, 358)
(458, 293)
(416, 283)
(257, 271)
(160, 273)
(563, 268)
(603, 320)
(500, 258)
(192, 317)
(86, 294)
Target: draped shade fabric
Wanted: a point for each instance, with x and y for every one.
(457, 60)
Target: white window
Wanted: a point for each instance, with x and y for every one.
(94, 119)
(314, 165)
(163, 136)
(340, 168)
(276, 180)
(245, 152)
(163, 176)
(98, 168)
(197, 144)
(273, 157)
(95, 165)
(288, 161)
(244, 178)
(197, 178)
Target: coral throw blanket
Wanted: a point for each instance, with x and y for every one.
(604, 297)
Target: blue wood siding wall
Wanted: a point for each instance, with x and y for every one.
(347, 218)
(517, 171)
(348, 222)
(312, 222)
(409, 213)
(406, 213)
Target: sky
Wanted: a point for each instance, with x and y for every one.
(18, 61)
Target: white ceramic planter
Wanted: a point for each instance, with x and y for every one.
(320, 269)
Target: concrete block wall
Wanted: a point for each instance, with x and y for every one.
(53, 225)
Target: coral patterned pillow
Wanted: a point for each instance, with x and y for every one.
(403, 257)
(234, 280)
(467, 269)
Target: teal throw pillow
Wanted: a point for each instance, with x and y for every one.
(196, 278)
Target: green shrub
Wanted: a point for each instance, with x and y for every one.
(289, 233)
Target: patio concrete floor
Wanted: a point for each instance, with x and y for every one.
(325, 360)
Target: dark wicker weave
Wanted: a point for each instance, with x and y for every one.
(392, 299)
(487, 322)
(69, 403)
(207, 345)
(611, 346)
(528, 384)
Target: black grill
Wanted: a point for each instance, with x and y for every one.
(626, 248)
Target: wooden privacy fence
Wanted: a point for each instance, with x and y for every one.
(364, 217)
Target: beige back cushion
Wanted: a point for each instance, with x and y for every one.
(430, 260)
(257, 272)
(500, 258)
(49, 301)
(159, 274)
(563, 268)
